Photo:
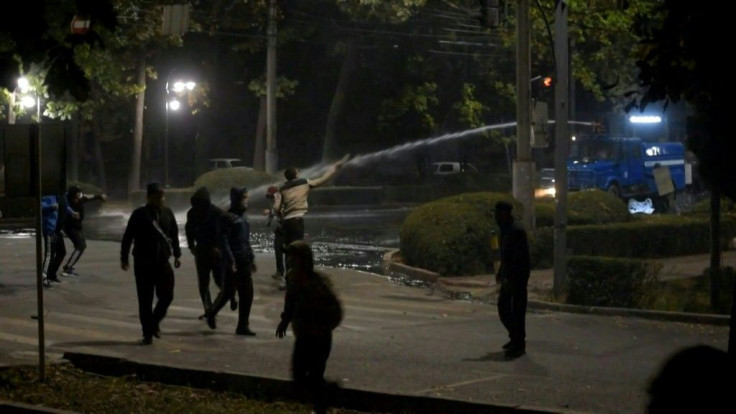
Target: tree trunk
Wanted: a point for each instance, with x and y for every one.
(715, 249)
(259, 153)
(99, 159)
(331, 147)
(134, 175)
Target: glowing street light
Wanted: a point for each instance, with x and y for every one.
(173, 89)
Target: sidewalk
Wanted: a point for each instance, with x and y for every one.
(400, 348)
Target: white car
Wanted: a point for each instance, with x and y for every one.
(448, 167)
(217, 163)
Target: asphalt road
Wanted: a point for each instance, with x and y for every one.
(394, 339)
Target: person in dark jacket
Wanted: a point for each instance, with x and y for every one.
(75, 201)
(273, 196)
(238, 260)
(314, 311)
(58, 248)
(154, 235)
(513, 277)
(203, 239)
(50, 215)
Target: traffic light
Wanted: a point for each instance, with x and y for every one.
(547, 81)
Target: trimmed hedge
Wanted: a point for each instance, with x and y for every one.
(614, 282)
(452, 236)
(584, 207)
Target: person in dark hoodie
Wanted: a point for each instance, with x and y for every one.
(75, 201)
(57, 246)
(239, 262)
(154, 235)
(50, 215)
(203, 239)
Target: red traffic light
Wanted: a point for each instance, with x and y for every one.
(547, 81)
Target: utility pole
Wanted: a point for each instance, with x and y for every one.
(523, 169)
(271, 152)
(562, 109)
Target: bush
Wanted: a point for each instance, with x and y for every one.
(583, 207)
(614, 282)
(693, 294)
(451, 236)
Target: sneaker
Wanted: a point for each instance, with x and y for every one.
(46, 283)
(157, 332)
(507, 345)
(245, 332)
(514, 352)
(54, 279)
(147, 340)
(69, 272)
(211, 322)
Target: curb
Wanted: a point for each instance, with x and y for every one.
(283, 390)
(14, 407)
(432, 277)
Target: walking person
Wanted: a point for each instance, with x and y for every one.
(293, 205)
(513, 277)
(314, 311)
(154, 235)
(239, 263)
(273, 196)
(202, 231)
(75, 201)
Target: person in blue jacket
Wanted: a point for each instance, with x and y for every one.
(50, 215)
(238, 261)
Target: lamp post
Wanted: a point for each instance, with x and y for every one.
(173, 91)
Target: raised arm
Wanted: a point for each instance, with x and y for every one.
(331, 171)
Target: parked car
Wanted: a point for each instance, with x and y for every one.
(448, 167)
(216, 163)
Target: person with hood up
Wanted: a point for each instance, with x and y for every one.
(238, 261)
(202, 230)
(50, 215)
(75, 201)
(154, 235)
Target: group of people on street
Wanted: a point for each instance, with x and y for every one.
(220, 243)
(62, 216)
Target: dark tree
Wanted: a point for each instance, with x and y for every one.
(682, 58)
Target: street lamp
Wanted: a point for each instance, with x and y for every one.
(173, 91)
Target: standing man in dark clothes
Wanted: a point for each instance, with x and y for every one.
(154, 234)
(238, 261)
(203, 239)
(50, 215)
(273, 197)
(314, 311)
(293, 205)
(76, 200)
(513, 276)
(58, 248)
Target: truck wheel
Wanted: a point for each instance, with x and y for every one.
(614, 190)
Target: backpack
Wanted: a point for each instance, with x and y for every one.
(326, 306)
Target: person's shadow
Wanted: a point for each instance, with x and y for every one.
(498, 356)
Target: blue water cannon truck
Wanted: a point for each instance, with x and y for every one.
(627, 167)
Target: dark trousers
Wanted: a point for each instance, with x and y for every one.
(308, 363)
(240, 281)
(207, 262)
(58, 252)
(278, 248)
(80, 244)
(293, 231)
(512, 301)
(153, 278)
